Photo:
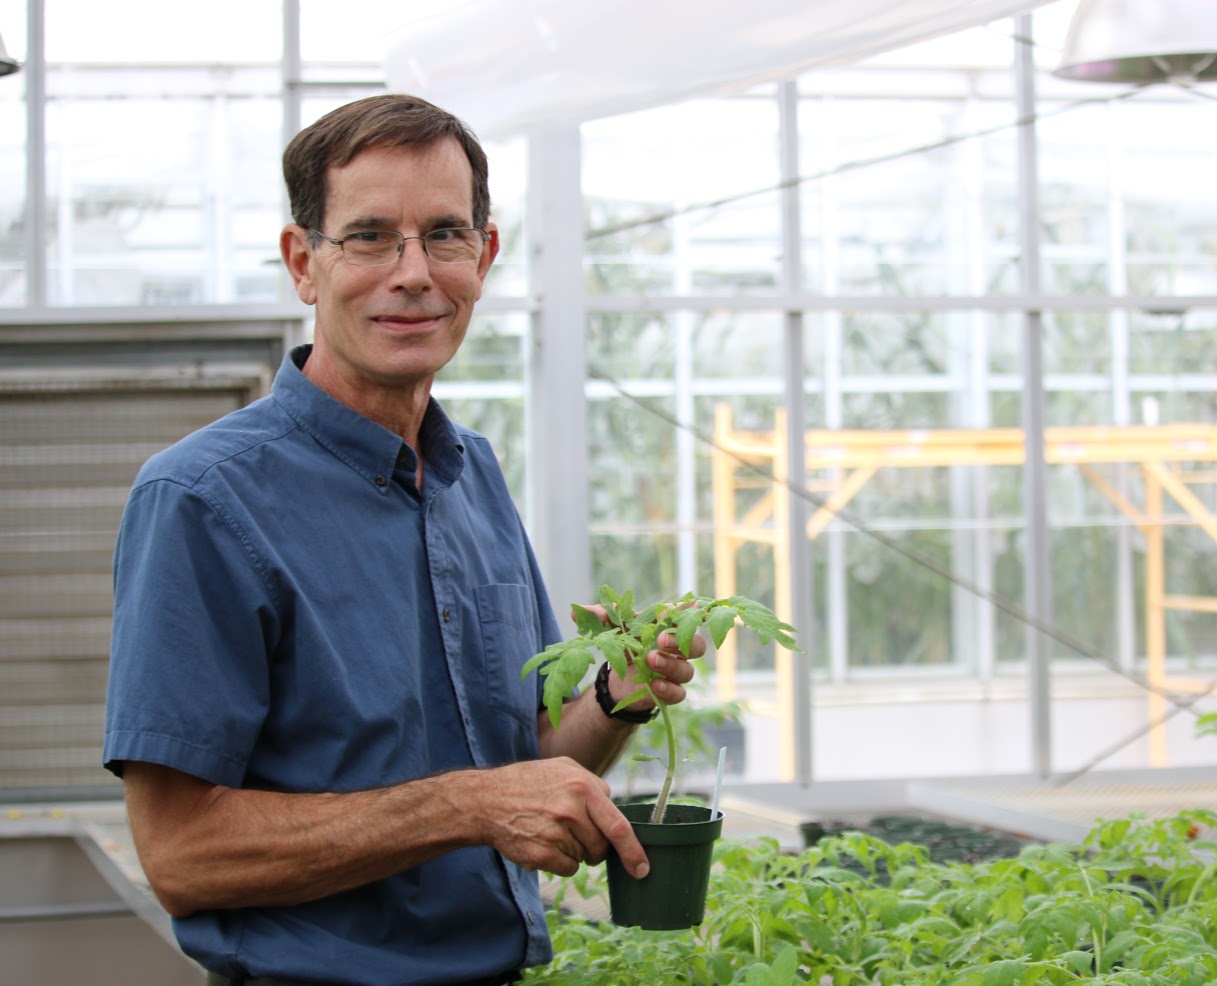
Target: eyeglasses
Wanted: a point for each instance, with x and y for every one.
(378, 247)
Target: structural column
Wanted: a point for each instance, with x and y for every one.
(798, 562)
(556, 403)
(1037, 562)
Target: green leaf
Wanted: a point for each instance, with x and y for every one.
(783, 968)
(551, 653)
(687, 624)
(565, 666)
(1006, 972)
(614, 652)
(1079, 960)
(764, 622)
(586, 622)
(1117, 947)
(640, 694)
(720, 965)
(620, 608)
(720, 622)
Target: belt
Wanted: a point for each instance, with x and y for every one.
(215, 979)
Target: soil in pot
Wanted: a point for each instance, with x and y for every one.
(680, 850)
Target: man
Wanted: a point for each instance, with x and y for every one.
(332, 769)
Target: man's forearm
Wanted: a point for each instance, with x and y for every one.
(206, 847)
(587, 735)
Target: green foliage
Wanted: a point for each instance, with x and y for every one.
(626, 635)
(1134, 904)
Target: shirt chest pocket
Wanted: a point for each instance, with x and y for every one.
(508, 618)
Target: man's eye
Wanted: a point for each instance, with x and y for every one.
(369, 236)
(443, 235)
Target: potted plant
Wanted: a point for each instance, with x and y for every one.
(679, 839)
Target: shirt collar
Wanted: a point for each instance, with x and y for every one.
(367, 447)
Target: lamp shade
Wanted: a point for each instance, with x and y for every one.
(7, 65)
(1142, 41)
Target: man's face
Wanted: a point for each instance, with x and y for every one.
(394, 326)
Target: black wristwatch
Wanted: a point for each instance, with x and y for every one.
(605, 698)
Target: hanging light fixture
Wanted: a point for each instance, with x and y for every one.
(1142, 41)
(7, 65)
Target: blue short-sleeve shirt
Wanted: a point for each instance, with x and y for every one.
(292, 614)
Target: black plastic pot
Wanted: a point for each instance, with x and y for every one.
(680, 850)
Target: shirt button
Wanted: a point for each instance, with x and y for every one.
(447, 615)
(381, 481)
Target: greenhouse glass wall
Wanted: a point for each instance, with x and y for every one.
(1005, 489)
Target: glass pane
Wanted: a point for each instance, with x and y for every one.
(483, 389)
(656, 454)
(163, 151)
(183, 209)
(735, 345)
(13, 245)
(1176, 343)
(644, 562)
(508, 195)
(633, 466)
(627, 345)
(335, 45)
(895, 202)
(692, 208)
(1127, 198)
(153, 32)
(1105, 369)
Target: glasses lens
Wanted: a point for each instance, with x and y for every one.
(370, 247)
(454, 246)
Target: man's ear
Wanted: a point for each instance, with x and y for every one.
(297, 258)
(489, 252)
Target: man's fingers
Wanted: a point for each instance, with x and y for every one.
(676, 672)
(620, 834)
(675, 669)
(667, 642)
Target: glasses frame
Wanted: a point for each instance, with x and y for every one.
(340, 242)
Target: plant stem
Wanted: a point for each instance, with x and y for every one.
(661, 804)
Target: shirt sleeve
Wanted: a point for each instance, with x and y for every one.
(193, 630)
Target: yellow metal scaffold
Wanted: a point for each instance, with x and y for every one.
(845, 460)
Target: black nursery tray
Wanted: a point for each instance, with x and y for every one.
(946, 841)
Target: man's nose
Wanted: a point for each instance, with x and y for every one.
(413, 266)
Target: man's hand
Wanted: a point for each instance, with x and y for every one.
(667, 661)
(553, 814)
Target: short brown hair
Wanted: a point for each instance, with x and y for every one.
(390, 120)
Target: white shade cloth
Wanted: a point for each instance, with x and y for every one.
(514, 66)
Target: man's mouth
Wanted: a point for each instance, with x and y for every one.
(406, 320)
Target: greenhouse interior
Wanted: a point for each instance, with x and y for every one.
(898, 318)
